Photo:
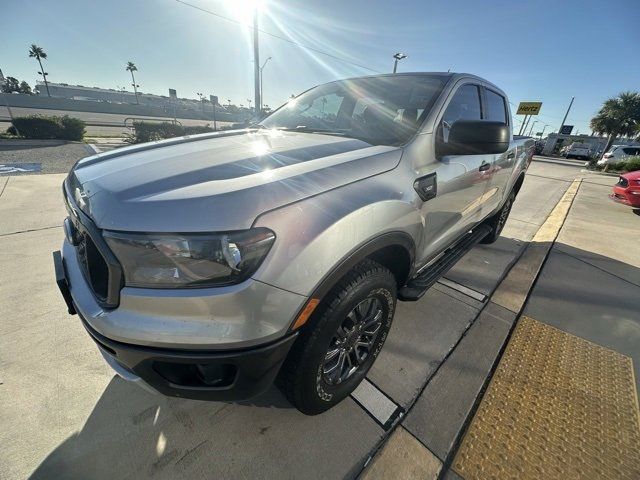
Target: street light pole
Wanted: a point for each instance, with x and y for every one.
(566, 114)
(543, 129)
(398, 56)
(261, 86)
(201, 95)
(532, 125)
(256, 61)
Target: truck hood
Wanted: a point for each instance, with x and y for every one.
(217, 182)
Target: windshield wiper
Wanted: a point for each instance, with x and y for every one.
(325, 131)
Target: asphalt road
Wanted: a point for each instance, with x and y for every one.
(113, 123)
(65, 415)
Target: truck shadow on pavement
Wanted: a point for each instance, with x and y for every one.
(134, 434)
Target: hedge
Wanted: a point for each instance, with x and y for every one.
(630, 165)
(45, 128)
(150, 132)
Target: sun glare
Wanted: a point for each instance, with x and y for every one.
(242, 10)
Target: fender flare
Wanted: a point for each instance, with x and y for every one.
(389, 239)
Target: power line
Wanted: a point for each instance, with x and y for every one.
(284, 39)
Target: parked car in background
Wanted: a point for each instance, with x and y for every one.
(627, 190)
(619, 153)
(579, 150)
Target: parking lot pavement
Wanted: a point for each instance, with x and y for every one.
(65, 415)
(30, 203)
(41, 156)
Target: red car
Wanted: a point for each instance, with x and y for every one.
(627, 190)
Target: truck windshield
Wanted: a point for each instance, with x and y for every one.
(384, 110)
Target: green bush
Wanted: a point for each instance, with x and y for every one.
(630, 165)
(72, 128)
(150, 132)
(46, 128)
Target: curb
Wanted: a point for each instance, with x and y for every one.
(34, 143)
(511, 293)
(93, 148)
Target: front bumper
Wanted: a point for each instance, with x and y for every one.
(186, 373)
(197, 374)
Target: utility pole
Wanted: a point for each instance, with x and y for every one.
(566, 114)
(398, 56)
(256, 61)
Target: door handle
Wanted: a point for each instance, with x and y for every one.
(484, 167)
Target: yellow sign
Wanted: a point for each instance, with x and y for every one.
(529, 108)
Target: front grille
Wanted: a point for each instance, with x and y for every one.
(95, 268)
(99, 265)
(623, 182)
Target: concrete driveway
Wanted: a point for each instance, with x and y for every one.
(65, 415)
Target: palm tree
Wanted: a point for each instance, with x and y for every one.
(619, 116)
(132, 68)
(38, 53)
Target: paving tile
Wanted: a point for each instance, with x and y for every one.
(441, 411)
(422, 334)
(403, 458)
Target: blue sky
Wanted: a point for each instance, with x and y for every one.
(535, 50)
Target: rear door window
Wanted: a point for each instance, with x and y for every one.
(496, 108)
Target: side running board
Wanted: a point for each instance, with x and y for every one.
(417, 286)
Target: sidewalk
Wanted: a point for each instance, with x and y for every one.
(561, 401)
(590, 284)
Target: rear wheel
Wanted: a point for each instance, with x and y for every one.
(499, 219)
(336, 349)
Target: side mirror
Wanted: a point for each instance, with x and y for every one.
(476, 137)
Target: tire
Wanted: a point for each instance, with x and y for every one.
(498, 219)
(365, 293)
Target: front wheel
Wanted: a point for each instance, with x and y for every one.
(499, 219)
(337, 347)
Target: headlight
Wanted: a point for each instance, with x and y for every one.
(192, 260)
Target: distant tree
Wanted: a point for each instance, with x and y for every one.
(619, 116)
(38, 53)
(10, 85)
(25, 88)
(132, 68)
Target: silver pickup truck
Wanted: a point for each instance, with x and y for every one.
(209, 266)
